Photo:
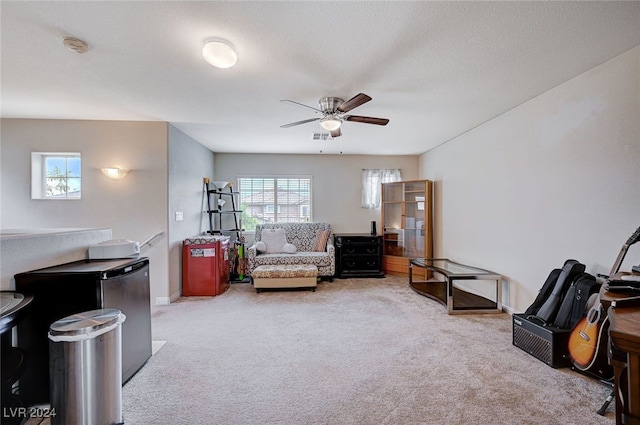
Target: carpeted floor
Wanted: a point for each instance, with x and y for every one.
(356, 351)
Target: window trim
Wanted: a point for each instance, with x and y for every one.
(275, 177)
(39, 177)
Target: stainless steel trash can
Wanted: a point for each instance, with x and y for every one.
(85, 368)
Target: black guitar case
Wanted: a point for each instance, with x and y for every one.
(546, 305)
(574, 305)
(543, 293)
(539, 337)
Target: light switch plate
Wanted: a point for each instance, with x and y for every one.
(179, 216)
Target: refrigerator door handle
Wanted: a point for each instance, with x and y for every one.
(123, 271)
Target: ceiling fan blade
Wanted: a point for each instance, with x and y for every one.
(336, 133)
(299, 122)
(366, 120)
(302, 104)
(354, 102)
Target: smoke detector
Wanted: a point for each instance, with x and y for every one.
(75, 44)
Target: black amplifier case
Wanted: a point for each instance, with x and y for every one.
(546, 343)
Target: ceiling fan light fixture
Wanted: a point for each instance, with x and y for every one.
(333, 111)
(219, 54)
(331, 123)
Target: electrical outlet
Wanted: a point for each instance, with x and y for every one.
(179, 216)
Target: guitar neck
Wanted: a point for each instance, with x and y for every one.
(625, 247)
(619, 260)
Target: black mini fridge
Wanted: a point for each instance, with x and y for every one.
(77, 287)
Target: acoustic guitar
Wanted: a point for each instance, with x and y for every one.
(586, 339)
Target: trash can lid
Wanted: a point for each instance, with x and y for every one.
(86, 323)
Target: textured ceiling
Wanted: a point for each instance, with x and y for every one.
(435, 69)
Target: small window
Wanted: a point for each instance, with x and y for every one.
(56, 175)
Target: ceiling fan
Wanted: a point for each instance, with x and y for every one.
(333, 111)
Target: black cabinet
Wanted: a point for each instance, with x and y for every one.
(358, 255)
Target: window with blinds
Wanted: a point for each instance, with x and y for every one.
(274, 199)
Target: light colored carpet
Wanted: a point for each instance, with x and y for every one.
(356, 351)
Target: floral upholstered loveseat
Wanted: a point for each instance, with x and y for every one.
(304, 245)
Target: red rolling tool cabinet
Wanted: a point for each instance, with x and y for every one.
(205, 266)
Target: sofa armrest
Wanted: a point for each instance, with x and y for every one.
(252, 251)
(331, 249)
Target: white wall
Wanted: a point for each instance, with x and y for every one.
(167, 170)
(134, 207)
(555, 178)
(337, 186)
(189, 163)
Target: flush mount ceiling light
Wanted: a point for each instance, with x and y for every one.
(114, 173)
(75, 44)
(219, 54)
(331, 123)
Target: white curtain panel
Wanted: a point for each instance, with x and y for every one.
(372, 180)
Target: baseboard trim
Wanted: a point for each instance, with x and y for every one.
(167, 300)
(508, 310)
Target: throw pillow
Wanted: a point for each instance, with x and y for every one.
(260, 246)
(290, 248)
(274, 239)
(322, 236)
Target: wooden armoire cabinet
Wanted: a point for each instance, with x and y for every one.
(407, 223)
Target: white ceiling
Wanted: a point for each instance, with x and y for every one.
(435, 69)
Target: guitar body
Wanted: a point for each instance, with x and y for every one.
(583, 343)
(588, 341)
(588, 347)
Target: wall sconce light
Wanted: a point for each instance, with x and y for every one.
(114, 173)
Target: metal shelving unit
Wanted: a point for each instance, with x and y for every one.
(227, 221)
